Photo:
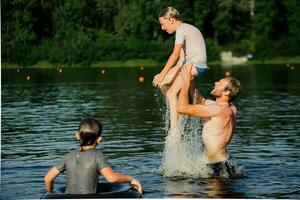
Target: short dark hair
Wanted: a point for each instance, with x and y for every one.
(89, 130)
(234, 87)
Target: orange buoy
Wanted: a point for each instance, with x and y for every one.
(141, 79)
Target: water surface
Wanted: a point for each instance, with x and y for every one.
(39, 118)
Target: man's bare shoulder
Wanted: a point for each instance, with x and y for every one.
(209, 102)
(233, 108)
(212, 107)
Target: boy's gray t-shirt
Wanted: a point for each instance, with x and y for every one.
(193, 45)
(83, 169)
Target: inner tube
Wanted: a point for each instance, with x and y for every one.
(105, 190)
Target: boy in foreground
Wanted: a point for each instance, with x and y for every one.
(84, 165)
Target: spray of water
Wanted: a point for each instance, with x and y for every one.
(183, 153)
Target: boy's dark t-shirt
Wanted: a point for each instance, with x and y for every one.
(83, 169)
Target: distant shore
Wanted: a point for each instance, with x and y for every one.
(145, 63)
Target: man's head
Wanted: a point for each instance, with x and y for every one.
(89, 132)
(227, 87)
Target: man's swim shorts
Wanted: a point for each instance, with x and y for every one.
(223, 169)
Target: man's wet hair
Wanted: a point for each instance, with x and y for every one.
(234, 87)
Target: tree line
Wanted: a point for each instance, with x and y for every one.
(84, 31)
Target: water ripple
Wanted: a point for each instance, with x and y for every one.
(39, 121)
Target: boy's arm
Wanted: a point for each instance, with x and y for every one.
(174, 57)
(170, 63)
(115, 177)
(49, 178)
(181, 58)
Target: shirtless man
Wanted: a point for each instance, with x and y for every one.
(218, 119)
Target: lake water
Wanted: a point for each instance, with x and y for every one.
(40, 117)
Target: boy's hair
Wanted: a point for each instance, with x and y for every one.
(89, 130)
(169, 13)
(233, 87)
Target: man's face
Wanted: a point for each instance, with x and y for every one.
(219, 87)
(166, 25)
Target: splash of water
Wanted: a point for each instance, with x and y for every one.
(183, 152)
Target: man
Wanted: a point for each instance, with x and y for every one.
(218, 120)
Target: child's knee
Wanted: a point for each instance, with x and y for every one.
(171, 94)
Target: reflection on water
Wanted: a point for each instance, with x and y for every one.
(221, 188)
(206, 188)
(39, 119)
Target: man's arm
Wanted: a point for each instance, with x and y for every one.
(184, 107)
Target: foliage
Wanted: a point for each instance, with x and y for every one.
(74, 32)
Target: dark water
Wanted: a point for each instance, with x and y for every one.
(40, 117)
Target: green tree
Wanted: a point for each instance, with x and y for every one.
(275, 24)
(74, 31)
(17, 29)
(205, 12)
(106, 11)
(232, 22)
(129, 20)
(80, 32)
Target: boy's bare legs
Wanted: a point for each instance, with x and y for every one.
(172, 95)
(172, 73)
(169, 78)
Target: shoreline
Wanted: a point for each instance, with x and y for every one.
(147, 63)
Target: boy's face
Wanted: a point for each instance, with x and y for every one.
(167, 25)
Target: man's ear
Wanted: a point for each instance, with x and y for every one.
(77, 136)
(227, 93)
(99, 139)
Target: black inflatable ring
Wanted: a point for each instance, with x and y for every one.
(106, 190)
